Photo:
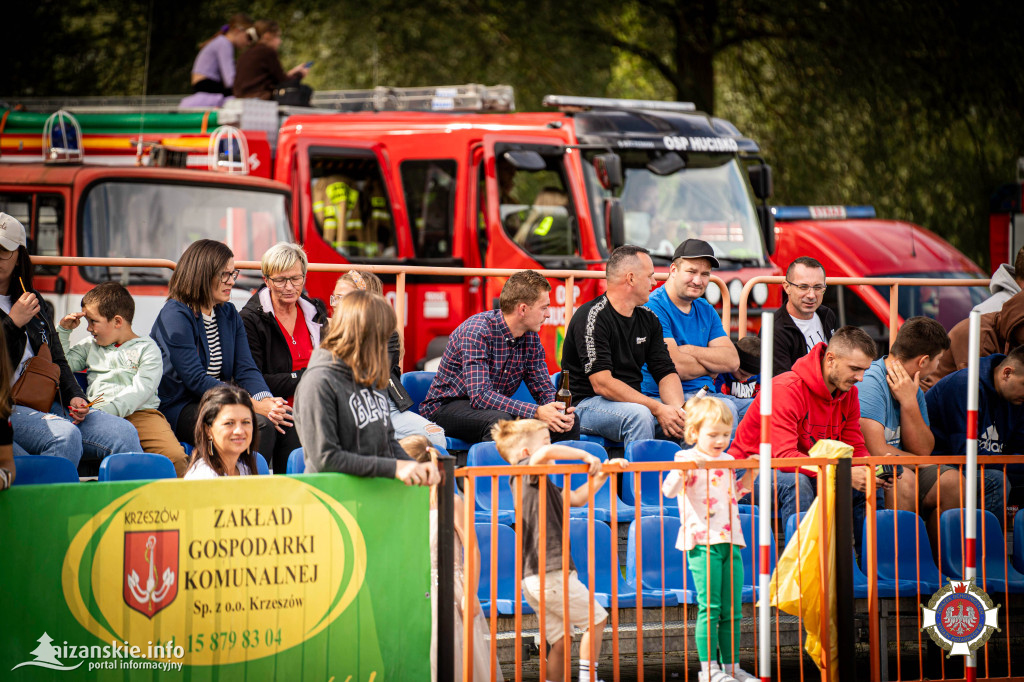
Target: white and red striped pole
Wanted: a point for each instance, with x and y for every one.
(971, 465)
(764, 495)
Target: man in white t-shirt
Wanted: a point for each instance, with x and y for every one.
(803, 322)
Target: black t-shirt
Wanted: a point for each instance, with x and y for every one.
(599, 339)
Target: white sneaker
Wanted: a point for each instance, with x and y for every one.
(716, 675)
(741, 675)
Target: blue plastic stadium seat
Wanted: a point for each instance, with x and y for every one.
(37, 469)
(417, 384)
(751, 560)
(83, 379)
(486, 454)
(296, 462)
(187, 448)
(650, 489)
(600, 440)
(886, 588)
(604, 572)
(135, 466)
(602, 498)
(991, 575)
(453, 444)
(506, 587)
(262, 468)
(909, 533)
(1018, 541)
(556, 379)
(677, 581)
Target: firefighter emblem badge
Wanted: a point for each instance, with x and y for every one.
(960, 618)
(150, 567)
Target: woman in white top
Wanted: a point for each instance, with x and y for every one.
(226, 438)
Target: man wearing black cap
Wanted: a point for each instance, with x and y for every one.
(693, 331)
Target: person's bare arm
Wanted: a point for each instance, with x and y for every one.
(668, 410)
(874, 440)
(915, 435)
(687, 366)
(719, 356)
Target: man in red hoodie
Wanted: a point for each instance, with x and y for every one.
(816, 400)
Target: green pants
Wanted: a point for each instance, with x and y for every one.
(718, 598)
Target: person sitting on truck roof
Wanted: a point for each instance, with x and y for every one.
(1006, 282)
(1000, 422)
(70, 428)
(894, 420)
(203, 342)
(1001, 332)
(213, 73)
(693, 332)
(260, 74)
(608, 342)
(283, 326)
(803, 322)
(486, 359)
(405, 422)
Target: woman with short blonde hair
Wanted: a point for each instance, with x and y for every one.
(283, 326)
(340, 412)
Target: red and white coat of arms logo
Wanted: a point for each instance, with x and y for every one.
(960, 617)
(150, 570)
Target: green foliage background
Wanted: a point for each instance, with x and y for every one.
(916, 107)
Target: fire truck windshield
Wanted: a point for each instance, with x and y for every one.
(152, 220)
(708, 199)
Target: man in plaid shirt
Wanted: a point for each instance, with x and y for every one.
(486, 359)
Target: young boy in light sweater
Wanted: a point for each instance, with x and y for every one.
(124, 368)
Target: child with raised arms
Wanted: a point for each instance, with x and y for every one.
(528, 442)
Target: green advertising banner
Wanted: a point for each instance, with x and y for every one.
(314, 577)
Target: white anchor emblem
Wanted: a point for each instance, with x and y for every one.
(150, 595)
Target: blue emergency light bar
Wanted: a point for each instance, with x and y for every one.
(823, 212)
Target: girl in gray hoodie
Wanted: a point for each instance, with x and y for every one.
(341, 412)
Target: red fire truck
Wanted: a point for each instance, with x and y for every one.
(554, 190)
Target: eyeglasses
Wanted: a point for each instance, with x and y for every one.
(229, 276)
(804, 288)
(336, 299)
(7, 255)
(280, 282)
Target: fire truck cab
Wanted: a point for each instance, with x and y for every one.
(539, 191)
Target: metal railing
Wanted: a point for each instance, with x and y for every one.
(400, 272)
(893, 283)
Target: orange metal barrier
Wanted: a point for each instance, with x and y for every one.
(892, 282)
(996, 659)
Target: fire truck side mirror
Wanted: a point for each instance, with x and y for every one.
(767, 220)
(609, 170)
(761, 181)
(615, 223)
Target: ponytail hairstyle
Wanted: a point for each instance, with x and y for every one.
(239, 21)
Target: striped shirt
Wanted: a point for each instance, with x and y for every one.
(213, 341)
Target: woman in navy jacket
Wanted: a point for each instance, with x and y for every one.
(203, 343)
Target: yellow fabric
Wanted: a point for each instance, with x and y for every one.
(795, 585)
